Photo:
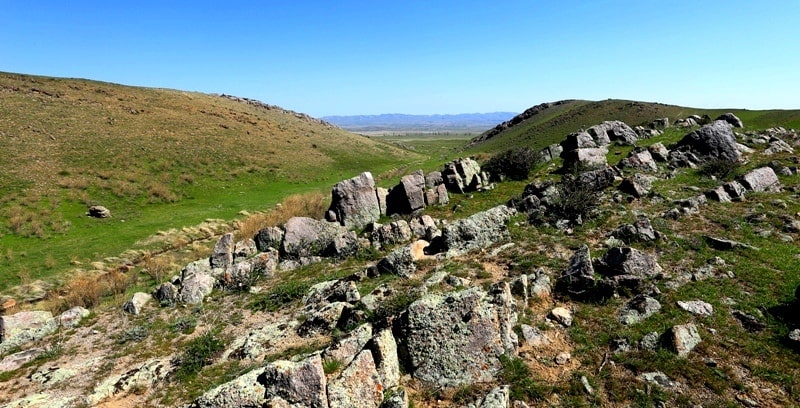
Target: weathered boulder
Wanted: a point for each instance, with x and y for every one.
(477, 231)
(497, 397)
(242, 392)
(578, 140)
(637, 185)
(222, 255)
(639, 231)
(682, 339)
(462, 176)
(383, 195)
(715, 141)
(340, 290)
(628, 261)
(696, 307)
(587, 158)
(685, 122)
(437, 195)
(399, 262)
(166, 294)
(551, 152)
(269, 237)
(396, 232)
(136, 303)
(598, 179)
(302, 383)
(718, 194)
(646, 132)
(408, 196)
(534, 337)
(732, 119)
(658, 152)
(384, 351)
(195, 287)
(344, 349)
(325, 319)
(609, 131)
(578, 279)
(641, 160)
(424, 227)
(735, 190)
(98, 211)
(456, 338)
(637, 309)
(354, 203)
(562, 316)
(25, 327)
(244, 249)
(358, 386)
(433, 179)
(761, 179)
(305, 237)
(73, 317)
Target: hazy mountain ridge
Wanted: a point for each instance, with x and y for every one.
(399, 121)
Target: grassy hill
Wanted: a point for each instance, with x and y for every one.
(553, 123)
(156, 158)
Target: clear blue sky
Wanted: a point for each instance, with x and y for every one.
(369, 57)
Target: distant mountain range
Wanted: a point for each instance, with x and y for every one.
(396, 122)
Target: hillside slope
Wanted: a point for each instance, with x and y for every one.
(550, 123)
(156, 158)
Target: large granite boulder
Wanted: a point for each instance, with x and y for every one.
(302, 383)
(358, 386)
(463, 175)
(761, 179)
(477, 231)
(305, 237)
(615, 130)
(454, 339)
(586, 158)
(408, 196)
(25, 327)
(354, 202)
(715, 141)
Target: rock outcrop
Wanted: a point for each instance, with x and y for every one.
(715, 141)
(354, 202)
(477, 231)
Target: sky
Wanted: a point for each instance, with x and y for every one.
(420, 57)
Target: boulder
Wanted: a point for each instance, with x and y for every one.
(578, 279)
(718, 194)
(682, 339)
(434, 179)
(135, 305)
(424, 227)
(195, 287)
(408, 196)
(748, 321)
(462, 176)
(358, 386)
(383, 195)
(615, 130)
(384, 351)
(98, 211)
(731, 119)
(166, 294)
(302, 383)
(344, 349)
(269, 237)
(244, 249)
(715, 141)
(578, 140)
(659, 123)
(401, 261)
(598, 179)
(323, 293)
(242, 392)
(640, 160)
(658, 152)
(696, 307)
(628, 261)
(437, 195)
(265, 263)
(639, 231)
(551, 152)
(540, 287)
(477, 231)
(637, 309)
(735, 190)
(637, 185)
(25, 327)
(222, 255)
(646, 132)
(354, 203)
(306, 237)
(73, 317)
(396, 232)
(587, 158)
(761, 179)
(562, 316)
(497, 397)
(454, 339)
(325, 319)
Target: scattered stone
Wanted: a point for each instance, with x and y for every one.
(302, 383)
(649, 341)
(72, 317)
(637, 309)
(563, 358)
(540, 287)
(534, 337)
(578, 279)
(242, 392)
(25, 327)
(98, 211)
(641, 160)
(718, 194)
(146, 375)
(497, 397)
(323, 293)
(561, 315)
(550, 153)
(640, 231)
(477, 231)
(637, 185)
(358, 386)
(660, 379)
(697, 307)
(396, 399)
(396, 232)
(761, 179)
(794, 336)
(354, 202)
(735, 190)
(682, 339)
(628, 261)
(659, 123)
(620, 345)
(136, 303)
(586, 386)
(166, 294)
(731, 119)
(325, 319)
(479, 330)
(748, 321)
(659, 152)
(726, 244)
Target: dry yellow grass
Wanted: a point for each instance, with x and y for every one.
(311, 205)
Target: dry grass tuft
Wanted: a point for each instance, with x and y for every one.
(311, 205)
(157, 267)
(85, 290)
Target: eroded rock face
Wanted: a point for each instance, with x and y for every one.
(714, 141)
(354, 203)
(25, 327)
(408, 196)
(302, 383)
(477, 231)
(456, 338)
(462, 176)
(242, 392)
(358, 386)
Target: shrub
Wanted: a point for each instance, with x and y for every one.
(198, 353)
(331, 366)
(574, 200)
(515, 163)
(720, 169)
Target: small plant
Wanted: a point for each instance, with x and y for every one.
(331, 366)
(574, 199)
(515, 163)
(133, 334)
(185, 324)
(721, 169)
(279, 295)
(198, 353)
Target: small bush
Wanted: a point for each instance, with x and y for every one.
(515, 163)
(198, 353)
(574, 199)
(280, 295)
(720, 169)
(331, 366)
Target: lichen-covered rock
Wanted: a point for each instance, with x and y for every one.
(166, 294)
(354, 203)
(325, 319)
(244, 249)
(534, 337)
(697, 307)
(637, 185)
(640, 231)
(344, 350)
(615, 130)
(25, 327)
(73, 317)
(628, 261)
(562, 316)
(477, 231)
(242, 392)
(761, 179)
(145, 375)
(387, 363)
(586, 158)
(578, 279)
(682, 339)
(222, 255)
(396, 399)
(637, 309)
(462, 176)
(497, 397)
(195, 287)
(269, 237)
(306, 237)
(302, 383)
(408, 196)
(714, 141)
(399, 262)
(640, 160)
(136, 303)
(456, 338)
(340, 290)
(659, 152)
(358, 386)
(396, 232)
